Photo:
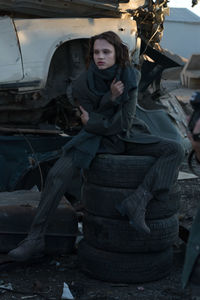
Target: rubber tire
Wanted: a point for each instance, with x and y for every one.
(121, 171)
(123, 267)
(118, 235)
(101, 201)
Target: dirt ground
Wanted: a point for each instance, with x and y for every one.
(44, 279)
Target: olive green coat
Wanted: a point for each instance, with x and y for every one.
(111, 118)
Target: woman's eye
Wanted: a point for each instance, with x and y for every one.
(105, 51)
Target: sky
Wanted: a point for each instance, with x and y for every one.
(186, 4)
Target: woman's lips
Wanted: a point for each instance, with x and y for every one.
(100, 63)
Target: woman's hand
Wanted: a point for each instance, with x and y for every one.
(117, 88)
(84, 115)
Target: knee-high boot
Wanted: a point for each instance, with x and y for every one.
(134, 207)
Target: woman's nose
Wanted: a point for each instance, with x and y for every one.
(101, 54)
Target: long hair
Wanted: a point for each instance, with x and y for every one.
(121, 50)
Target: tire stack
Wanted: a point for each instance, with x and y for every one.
(111, 249)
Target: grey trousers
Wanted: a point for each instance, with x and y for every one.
(163, 173)
(65, 177)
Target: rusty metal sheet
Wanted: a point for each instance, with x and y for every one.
(17, 210)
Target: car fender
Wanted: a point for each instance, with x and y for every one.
(40, 38)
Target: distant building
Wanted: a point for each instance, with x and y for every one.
(181, 32)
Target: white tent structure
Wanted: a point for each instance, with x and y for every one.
(181, 32)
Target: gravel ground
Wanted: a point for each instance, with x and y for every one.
(44, 279)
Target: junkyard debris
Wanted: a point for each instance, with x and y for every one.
(184, 175)
(66, 292)
(6, 286)
(190, 76)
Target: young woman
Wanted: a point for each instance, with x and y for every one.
(107, 95)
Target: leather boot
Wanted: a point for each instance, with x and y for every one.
(135, 207)
(28, 249)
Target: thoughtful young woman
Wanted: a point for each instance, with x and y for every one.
(107, 95)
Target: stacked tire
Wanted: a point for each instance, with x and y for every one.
(111, 249)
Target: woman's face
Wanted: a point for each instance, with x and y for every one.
(103, 54)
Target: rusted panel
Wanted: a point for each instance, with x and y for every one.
(17, 210)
